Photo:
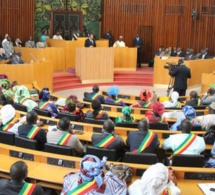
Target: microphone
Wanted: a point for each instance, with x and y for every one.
(34, 58)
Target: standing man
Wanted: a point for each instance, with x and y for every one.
(109, 37)
(90, 42)
(138, 43)
(181, 74)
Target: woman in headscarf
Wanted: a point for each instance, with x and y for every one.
(156, 180)
(97, 112)
(22, 96)
(45, 104)
(126, 118)
(112, 92)
(145, 99)
(190, 114)
(173, 103)
(91, 174)
(155, 116)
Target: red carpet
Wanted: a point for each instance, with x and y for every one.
(68, 80)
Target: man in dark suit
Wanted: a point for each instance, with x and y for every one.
(94, 95)
(18, 173)
(190, 55)
(90, 42)
(16, 58)
(135, 138)
(181, 74)
(204, 54)
(109, 37)
(108, 130)
(138, 43)
(23, 130)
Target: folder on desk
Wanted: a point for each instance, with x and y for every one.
(206, 188)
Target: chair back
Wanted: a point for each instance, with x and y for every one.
(20, 107)
(188, 160)
(128, 125)
(42, 112)
(100, 152)
(94, 121)
(56, 149)
(159, 126)
(72, 117)
(7, 138)
(26, 143)
(196, 128)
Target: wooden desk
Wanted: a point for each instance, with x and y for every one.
(206, 80)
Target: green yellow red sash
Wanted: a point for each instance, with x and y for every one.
(162, 119)
(99, 114)
(4, 91)
(178, 105)
(95, 96)
(106, 141)
(192, 121)
(27, 189)
(43, 105)
(166, 191)
(75, 36)
(84, 188)
(199, 102)
(22, 100)
(146, 105)
(7, 126)
(33, 132)
(185, 144)
(145, 143)
(117, 101)
(64, 139)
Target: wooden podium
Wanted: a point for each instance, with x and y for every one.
(95, 64)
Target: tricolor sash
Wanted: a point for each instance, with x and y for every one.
(33, 132)
(95, 96)
(27, 189)
(199, 102)
(21, 100)
(192, 121)
(117, 101)
(99, 114)
(166, 191)
(146, 105)
(178, 105)
(64, 139)
(162, 119)
(84, 188)
(7, 126)
(75, 36)
(185, 144)
(43, 105)
(145, 143)
(106, 141)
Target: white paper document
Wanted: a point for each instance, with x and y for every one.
(206, 188)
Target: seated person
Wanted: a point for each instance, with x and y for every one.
(173, 103)
(194, 99)
(2, 54)
(8, 121)
(45, 104)
(116, 142)
(5, 88)
(72, 108)
(22, 96)
(58, 36)
(209, 97)
(97, 112)
(91, 173)
(211, 161)
(17, 184)
(31, 131)
(190, 114)
(16, 58)
(57, 135)
(119, 43)
(206, 121)
(193, 144)
(44, 36)
(18, 42)
(156, 180)
(126, 118)
(112, 92)
(30, 43)
(142, 141)
(144, 102)
(155, 115)
(94, 95)
(40, 44)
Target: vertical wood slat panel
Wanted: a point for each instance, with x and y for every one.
(17, 18)
(176, 27)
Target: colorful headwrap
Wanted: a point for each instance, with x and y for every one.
(73, 98)
(189, 112)
(44, 94)
(5, 83)
(158, 108)
(91, 168)
(126, 110)
(113, 90)
(145, 95)
(22, 91)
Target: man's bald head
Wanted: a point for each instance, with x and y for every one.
(108, 126)
(18, 171)
(143, 125)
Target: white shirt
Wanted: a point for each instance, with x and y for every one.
(59, 37)
(174, 141)
(119, 44)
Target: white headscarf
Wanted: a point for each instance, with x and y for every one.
(174, 99)
(206, 120)
(7, 113)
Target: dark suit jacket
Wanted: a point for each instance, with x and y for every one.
(138, 43)
(205, 57)
(109, 37)
(16, 60)
(90, 95)
(188, 57)
(88, 43)
(23, 131)
(104, 116)
(192, 102)
(9, 187)
(181, 74)
(3, 57)
(134, 140)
